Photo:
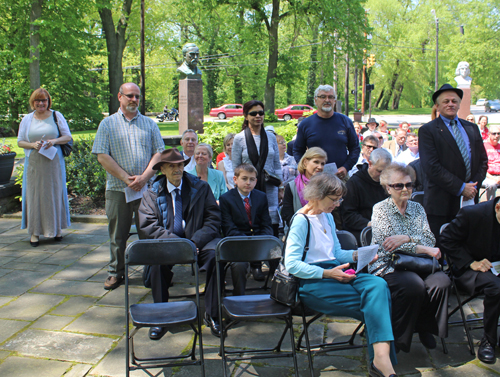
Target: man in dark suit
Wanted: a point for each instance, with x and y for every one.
(453, 158)
(180, 205)
(472, 242)
(244, 212)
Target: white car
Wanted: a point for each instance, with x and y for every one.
(480, 102)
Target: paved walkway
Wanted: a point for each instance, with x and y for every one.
(57, 320)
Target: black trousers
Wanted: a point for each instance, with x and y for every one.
(161, 277)
(418, 305)
(489, 285)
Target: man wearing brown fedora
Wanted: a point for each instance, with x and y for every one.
(179, 204)
(452, 156)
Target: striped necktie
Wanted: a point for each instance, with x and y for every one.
(463, 148)
(178, 214)
(248, 209)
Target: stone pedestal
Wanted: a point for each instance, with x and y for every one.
(465, 104)
(190, 105)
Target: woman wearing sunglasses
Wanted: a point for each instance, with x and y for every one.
(258, 147)
(419, 303)
(45, 199)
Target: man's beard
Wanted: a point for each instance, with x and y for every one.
(132, 108)
(327, 108)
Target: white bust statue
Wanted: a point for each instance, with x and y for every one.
(462, 75)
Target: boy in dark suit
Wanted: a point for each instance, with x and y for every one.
(244, 212)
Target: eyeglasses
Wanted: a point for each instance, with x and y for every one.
(495, 133)
(381, 138)
(325, 97)
(400, 186)
(41, 100)
(338, 201)
(369, 146)
(255, 113)
(130, 96)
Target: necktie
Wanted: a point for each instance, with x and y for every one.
(463, 148)
(248, 209)
(178, 214)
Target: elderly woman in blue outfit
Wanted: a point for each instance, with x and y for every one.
(324, 286)
(45, 199)
(203, 154)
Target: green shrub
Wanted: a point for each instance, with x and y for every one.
(84, 175)
(270, 118)
(215, 132)
(287, 130)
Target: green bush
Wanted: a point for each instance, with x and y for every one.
(270, 118)
(287, 130)
(84, 175)
(215, 132)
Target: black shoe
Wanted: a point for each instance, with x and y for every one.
(34, 244)
(213, 323)
(427, 339)
(156, 333)
(486, 352)
(258, 275)
(374, 372)
(58, 238)
(112, 282)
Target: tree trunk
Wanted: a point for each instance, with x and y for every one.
(313, 67)
(270, 92)
(35, 14)
(397, 97)
(115, 44)
(238, 90)
(390, 90)
(346, 86)
(379, 99)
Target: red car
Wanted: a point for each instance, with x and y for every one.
(227, 111)
(293, 111)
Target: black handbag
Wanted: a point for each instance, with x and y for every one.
(271, 178)
(67, 148)
(422, 264)
(284, 286)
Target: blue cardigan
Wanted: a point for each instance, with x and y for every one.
(295, 247)
(215, 180)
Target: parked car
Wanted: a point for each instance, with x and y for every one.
(293, 111)
(492, 105)
(481, 101)
(227, 111)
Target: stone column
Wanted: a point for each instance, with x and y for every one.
(190, 105)
(465, 104)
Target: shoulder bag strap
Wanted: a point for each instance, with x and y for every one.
(306, 247)
(56, 122)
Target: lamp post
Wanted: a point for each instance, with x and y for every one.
(437, 49)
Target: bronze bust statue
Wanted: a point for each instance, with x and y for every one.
(189, 69)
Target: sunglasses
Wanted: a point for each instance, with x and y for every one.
(130, 96)
(495, 133)
(255, 113)
(370, 146)
(400, 186)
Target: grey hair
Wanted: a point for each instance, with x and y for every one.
(325, 88)
(380, 155)
(371, 138)
(322, 185)
(394, 168)
(189, 130)
(209, 149)
(412, 134)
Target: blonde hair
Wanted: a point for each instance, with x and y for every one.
(40, 93)
(314, 152)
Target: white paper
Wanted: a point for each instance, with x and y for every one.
(366, 255)
(496, 268)
(50, 153)
(466, 203)
(131, 195)
(330, 168)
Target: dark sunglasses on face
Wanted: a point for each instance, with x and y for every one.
(400, 186)
(130, 96)
(255, 113)
(495, 133)
(370, 146)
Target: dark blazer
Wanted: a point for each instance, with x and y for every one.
(444, 166)
(235, 219)
(468, 237)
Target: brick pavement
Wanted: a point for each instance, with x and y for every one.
(57, 320)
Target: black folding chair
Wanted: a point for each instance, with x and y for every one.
(366, 236)
(418, 196)
(347, 242)
(251, 307)
(165, 314)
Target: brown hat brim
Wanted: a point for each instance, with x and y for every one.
(171, 155)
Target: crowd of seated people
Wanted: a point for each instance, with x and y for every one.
(205, 204)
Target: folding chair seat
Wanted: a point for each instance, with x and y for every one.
(251, 307)
(366, 236)
(348, 242)
(166, 314)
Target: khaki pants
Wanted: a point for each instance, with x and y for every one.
(119, 214)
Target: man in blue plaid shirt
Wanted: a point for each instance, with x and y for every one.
(125, 144)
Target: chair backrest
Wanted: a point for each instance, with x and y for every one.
(248, 249)
(366, 236)
(347, 240)
(418, 196)
(162, 252)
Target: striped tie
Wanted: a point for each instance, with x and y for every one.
(463, 148)
(249, 210)
(178, 230)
